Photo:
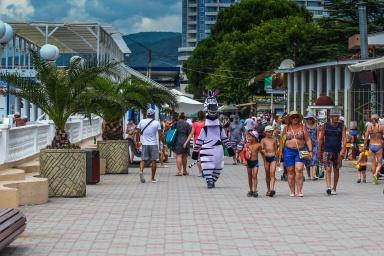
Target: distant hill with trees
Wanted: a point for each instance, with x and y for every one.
(163, 45)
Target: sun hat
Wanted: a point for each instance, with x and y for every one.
(310, 115)
(295, 113)
(150, 112)
(269, 128)
(254, 133)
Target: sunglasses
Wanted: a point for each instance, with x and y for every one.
(295, 117)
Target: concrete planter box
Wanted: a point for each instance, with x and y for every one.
(65, 170)
(116, 155)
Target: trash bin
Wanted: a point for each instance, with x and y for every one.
(93, 165)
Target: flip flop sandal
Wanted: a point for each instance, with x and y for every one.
(185, 173)
(179, 174)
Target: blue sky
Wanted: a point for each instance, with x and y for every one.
(127, 16)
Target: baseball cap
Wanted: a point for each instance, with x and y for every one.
(254, 134)
(150, 112)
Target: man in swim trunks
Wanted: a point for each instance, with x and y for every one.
(332, 139)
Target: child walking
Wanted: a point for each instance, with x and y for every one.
(269, 151)
(361, 165)
(254, 147)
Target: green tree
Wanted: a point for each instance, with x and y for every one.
(342, 23)
(111, 100)
(241, 56)
(249, 13)
(58, 92)
(225, 60)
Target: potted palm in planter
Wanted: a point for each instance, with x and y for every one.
(59, 93)
(111, 100)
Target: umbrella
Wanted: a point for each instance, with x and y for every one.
(186, 104)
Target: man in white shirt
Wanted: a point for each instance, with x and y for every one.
(148, 129)
(249, 123)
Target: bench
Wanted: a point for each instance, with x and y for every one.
(12, 224)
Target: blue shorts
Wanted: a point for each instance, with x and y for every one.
(291, 156)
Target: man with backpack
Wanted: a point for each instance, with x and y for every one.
(148, 130)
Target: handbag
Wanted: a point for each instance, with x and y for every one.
(170, 137)
(247, 152)
(303, 154)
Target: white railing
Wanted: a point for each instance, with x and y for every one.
(20, 142)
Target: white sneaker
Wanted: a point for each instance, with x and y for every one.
(333, 192)
(154, 180)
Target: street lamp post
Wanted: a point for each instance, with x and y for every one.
(6, 35)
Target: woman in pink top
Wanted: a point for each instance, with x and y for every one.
(195, 132)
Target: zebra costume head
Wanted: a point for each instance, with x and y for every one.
(210, 105)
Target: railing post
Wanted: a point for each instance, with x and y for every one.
(36, 139)
(4, 139)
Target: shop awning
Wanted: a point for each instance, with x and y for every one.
(186, 104)
(228, 108)
(367, 65)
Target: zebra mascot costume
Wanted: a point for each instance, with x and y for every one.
(210, 142)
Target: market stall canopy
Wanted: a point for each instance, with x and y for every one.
(228, 108)
(367, 65)
(186, 104)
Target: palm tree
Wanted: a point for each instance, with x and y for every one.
(58, 92)
(111, 100)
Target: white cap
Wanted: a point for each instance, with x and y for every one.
(150, 112)
(269, 128)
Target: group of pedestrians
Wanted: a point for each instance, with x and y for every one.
(293, 143)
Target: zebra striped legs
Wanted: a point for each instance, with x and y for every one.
(211, 175)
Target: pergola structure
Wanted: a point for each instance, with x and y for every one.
(76, 38)
(82, 39)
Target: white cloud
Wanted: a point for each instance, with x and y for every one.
(16, 9)
(166, 23)
(77, 11)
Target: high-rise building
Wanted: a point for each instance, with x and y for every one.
(315, 6)
(199, 16)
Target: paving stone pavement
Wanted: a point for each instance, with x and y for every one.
(179, 216)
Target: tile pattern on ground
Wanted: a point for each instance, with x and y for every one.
(179, 216)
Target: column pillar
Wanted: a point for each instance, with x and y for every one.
(17, 105)
(381, 88)
(319, 82)
(26, 111)
(329, 80)
(33, 113)
(311, 85)
(295, 86)
(302, 91)
(289, 91)
(347, 88)
(39, 112)
(337, 84)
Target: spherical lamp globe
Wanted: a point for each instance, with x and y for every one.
(8, 34)
(2, 29)
(49, 52)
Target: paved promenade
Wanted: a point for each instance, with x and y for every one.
(179, 216)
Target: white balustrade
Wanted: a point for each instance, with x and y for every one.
(73, 129)
(20, 142)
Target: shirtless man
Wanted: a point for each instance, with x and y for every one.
(269, 151)
(375, 134)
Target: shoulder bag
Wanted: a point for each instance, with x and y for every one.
(142, 131)
(303, 154)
